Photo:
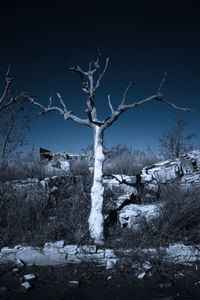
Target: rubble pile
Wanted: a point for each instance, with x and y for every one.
(144, 188)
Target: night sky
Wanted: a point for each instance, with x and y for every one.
(143, 40)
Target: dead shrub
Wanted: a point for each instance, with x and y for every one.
(179, 217)
(33, 215)
(178, 220)
(123, 160)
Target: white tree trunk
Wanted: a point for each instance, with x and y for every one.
(96, 220)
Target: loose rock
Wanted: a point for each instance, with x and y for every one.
(15, 270)
(29, 277)
(26, 286)
(73, 283)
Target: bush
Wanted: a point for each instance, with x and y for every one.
(123, 160)
(22, 168)
(34, 215)
(128, 238)
(80, 168)
(179, 219)
(25, 167)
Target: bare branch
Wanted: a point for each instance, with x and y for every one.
(63, 111)
(154, 97)
(61, 101)
(6, 90)
(101, 75)
(89, 87)
(82, 75)
(50, 101)
(96, 63)
(125, 93)
(110, 104)
(121, 108)
(6, 99)
(162, 83)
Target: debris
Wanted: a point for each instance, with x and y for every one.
(29, 277)
(15, 270)
(141, 275)
(26, 286)
(110, 264)
(147, 265)
(73, 283)
(165, 285)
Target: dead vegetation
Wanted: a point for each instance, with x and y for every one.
(36, 214)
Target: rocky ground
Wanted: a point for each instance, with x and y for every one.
(114, 275)
(89, 281)
(92, 273)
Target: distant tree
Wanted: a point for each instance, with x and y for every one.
(174, 142)
(13, 120)
(89, 86)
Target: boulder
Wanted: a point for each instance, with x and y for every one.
(161, 171)
(122, 185)
(130, 216)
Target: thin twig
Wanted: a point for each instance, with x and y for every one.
(125, 93)
(110, 104)
(162, 83)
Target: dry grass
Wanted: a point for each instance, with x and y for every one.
(33, 215)
(123, 160)
(179, 219)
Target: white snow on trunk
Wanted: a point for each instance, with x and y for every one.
(96, 220)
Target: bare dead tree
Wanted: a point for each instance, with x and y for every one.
(89, 86)
(10, 119)
(173, 142)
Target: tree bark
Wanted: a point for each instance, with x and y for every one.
(96, 220)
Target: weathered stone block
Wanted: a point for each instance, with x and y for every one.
(73, 258)
(91, 256)
(109, 253)
(58, 244)
(71, 249)
(7, 250)
(110, 264)
(89, 248)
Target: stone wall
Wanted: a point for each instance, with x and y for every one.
(58, 253)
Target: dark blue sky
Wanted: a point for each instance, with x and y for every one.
(143, 40)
